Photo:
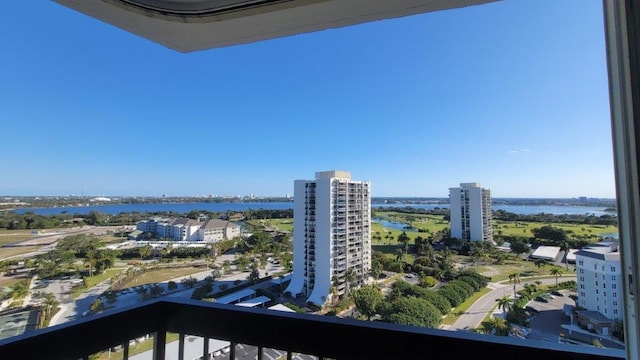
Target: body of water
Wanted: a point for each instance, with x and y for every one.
(221, 207)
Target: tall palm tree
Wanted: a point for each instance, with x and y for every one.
(477, 253)
(399, 254)
(538, 283)
(565, 247)
(540, 263)
(515, 278)
(530, 288)
(504, 303)
(403, 239)
(50, 302)
(496, 326)
(556, 271)
(349, 277)
(90, 260)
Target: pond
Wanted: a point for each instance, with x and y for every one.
(393, 224)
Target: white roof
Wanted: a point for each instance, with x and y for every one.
(546, 252)
(280, 307)
(572, 254)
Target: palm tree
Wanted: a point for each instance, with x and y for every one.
(399, 254)
(50, 302)
(538, 283)
(376, 269)
(404, 240)
(477, 253)
(504, 303)
(565, 247)
(496, 325)
(540, 263)
(90, 260)
(349, 277)
(530, 288)
(515, 278)
(556, 271)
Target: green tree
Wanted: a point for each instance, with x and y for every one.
(515, 278)
(90, 260)
(349, 278)
(376, 269)
(518, 246)
(412, 311)
(254, 276)
(540, 263)
(367, 299)
(145, 251)
(496, 326)
(556, 271)
(504, 303)
(404, 239)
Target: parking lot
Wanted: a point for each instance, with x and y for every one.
(547, 317)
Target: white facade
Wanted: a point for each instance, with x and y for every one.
(470, 212)
(183, 229)
(331, 234)
(599, 275)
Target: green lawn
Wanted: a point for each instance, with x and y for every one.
(94, 280)
(11, 236)
(520, 228)
(7, 252)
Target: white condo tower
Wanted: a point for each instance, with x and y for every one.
(470, 212)
(331, 234)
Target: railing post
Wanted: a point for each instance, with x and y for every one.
(260, 348)
(232, 351)
(125, 350)
(159, 342)
(289, 355)
(205, 348)
(181, 347)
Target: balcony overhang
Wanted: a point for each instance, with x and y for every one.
(192, 25)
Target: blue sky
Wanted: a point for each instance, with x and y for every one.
(512, 95)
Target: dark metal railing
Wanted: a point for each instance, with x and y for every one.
(321, 336)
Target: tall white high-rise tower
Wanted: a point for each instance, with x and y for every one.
(331, 235)
(470, 212)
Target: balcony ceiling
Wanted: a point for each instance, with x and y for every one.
(192, 25)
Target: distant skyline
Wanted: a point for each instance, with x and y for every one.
(512, 95)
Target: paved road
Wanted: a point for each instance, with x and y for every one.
(473, 317)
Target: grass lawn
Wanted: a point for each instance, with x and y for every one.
(11, 236)
(159, 275)
(282, 224)
(94, 280)
(7, 252)
(510, 228)
(8, 281)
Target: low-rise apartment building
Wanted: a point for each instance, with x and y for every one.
(599, 278)
(184, 229)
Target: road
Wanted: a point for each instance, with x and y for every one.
(473, 317)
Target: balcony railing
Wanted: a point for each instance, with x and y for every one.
(321, 336)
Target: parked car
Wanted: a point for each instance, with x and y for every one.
(556, 293)
(541, 299)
